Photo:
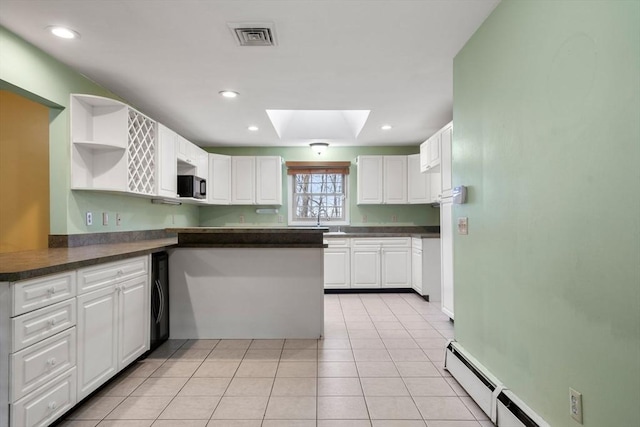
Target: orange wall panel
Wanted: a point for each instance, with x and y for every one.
(24, 174)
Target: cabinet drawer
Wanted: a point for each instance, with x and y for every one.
(382, 242)
(43, 406)
(43, 323)
(31, 294)
(41, 362)
(338, 242)
(96, 277)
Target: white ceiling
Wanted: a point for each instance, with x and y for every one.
(170, 58)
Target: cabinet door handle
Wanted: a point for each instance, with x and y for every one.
(161, 295)
(52, 361)
(119, 273)
(51, 290)
(51, 322)
(52, 405)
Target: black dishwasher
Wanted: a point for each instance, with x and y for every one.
(159, 299)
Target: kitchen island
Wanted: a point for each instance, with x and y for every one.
(245, 282)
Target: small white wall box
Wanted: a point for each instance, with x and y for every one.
(459, 194)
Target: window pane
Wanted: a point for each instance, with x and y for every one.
(318, 194)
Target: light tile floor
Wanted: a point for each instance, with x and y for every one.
(379, 365)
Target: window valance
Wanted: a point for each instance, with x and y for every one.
(294, 168)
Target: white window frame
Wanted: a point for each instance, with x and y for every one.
(323, 221)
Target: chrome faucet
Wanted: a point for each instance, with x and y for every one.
(320, 209)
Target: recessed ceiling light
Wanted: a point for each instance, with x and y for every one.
(228, 93)
(63, 32)
(253, 128)
(385, 127)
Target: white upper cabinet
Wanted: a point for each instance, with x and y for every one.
(243, 180)
(202, 162)
(418, 185)
(219, 181)
(394, 180)
(269, 180)
(433, 151)
(382, 180)
(112, 146)
(186, 152)
(256, 180)
(369, 180)
(166, 162)
(445, 156)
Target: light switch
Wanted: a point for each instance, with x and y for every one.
(463, 225)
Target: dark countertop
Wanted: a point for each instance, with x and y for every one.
(28, 264)
(250, 237)
(109, 247)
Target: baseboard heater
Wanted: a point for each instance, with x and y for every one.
(499, 403)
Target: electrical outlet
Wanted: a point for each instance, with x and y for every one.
(280, 218)
(241, 219)
(394, 218)
(118, 219)
(364, 218)
(89, 218)
(463, 225)
(105, 218)
(575, 405)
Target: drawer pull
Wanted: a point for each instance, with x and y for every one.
(52, 405)
(51, 322)
(52, 361)
(51, 290)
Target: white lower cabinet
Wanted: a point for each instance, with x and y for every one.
(113, 328)
(97, 338)
(381, 262)
(425, 267)
(396, 267)
(365, 267)
(337, 264)
(44, 406)
(416, 269)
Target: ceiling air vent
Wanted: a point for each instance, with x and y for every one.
(253, 34)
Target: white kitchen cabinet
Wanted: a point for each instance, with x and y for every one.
(433, 151)
(416, 269)
(133, 320)
(97, 338)
(113, 320)
(166, 162)
(202, 163)
(365, 267)
(425, 267)
(396, 267)
(370, 180)
(446, 244)
(256, 180)
(381, 262)
(419, 184)
(186, 152)
(446, 137)
(243, 180)
(112, 146)
(337, 264)
(424, 156)
(382, 180)
(395, 180)
(268, 180)
(37, 349)
(219, 181)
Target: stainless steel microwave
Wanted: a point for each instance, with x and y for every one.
(192, 186)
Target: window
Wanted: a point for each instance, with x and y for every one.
(318, 194)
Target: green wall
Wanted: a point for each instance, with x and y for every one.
(34, 74)
(547, 282)
(375, 214)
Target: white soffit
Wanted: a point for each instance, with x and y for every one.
(296, 125)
